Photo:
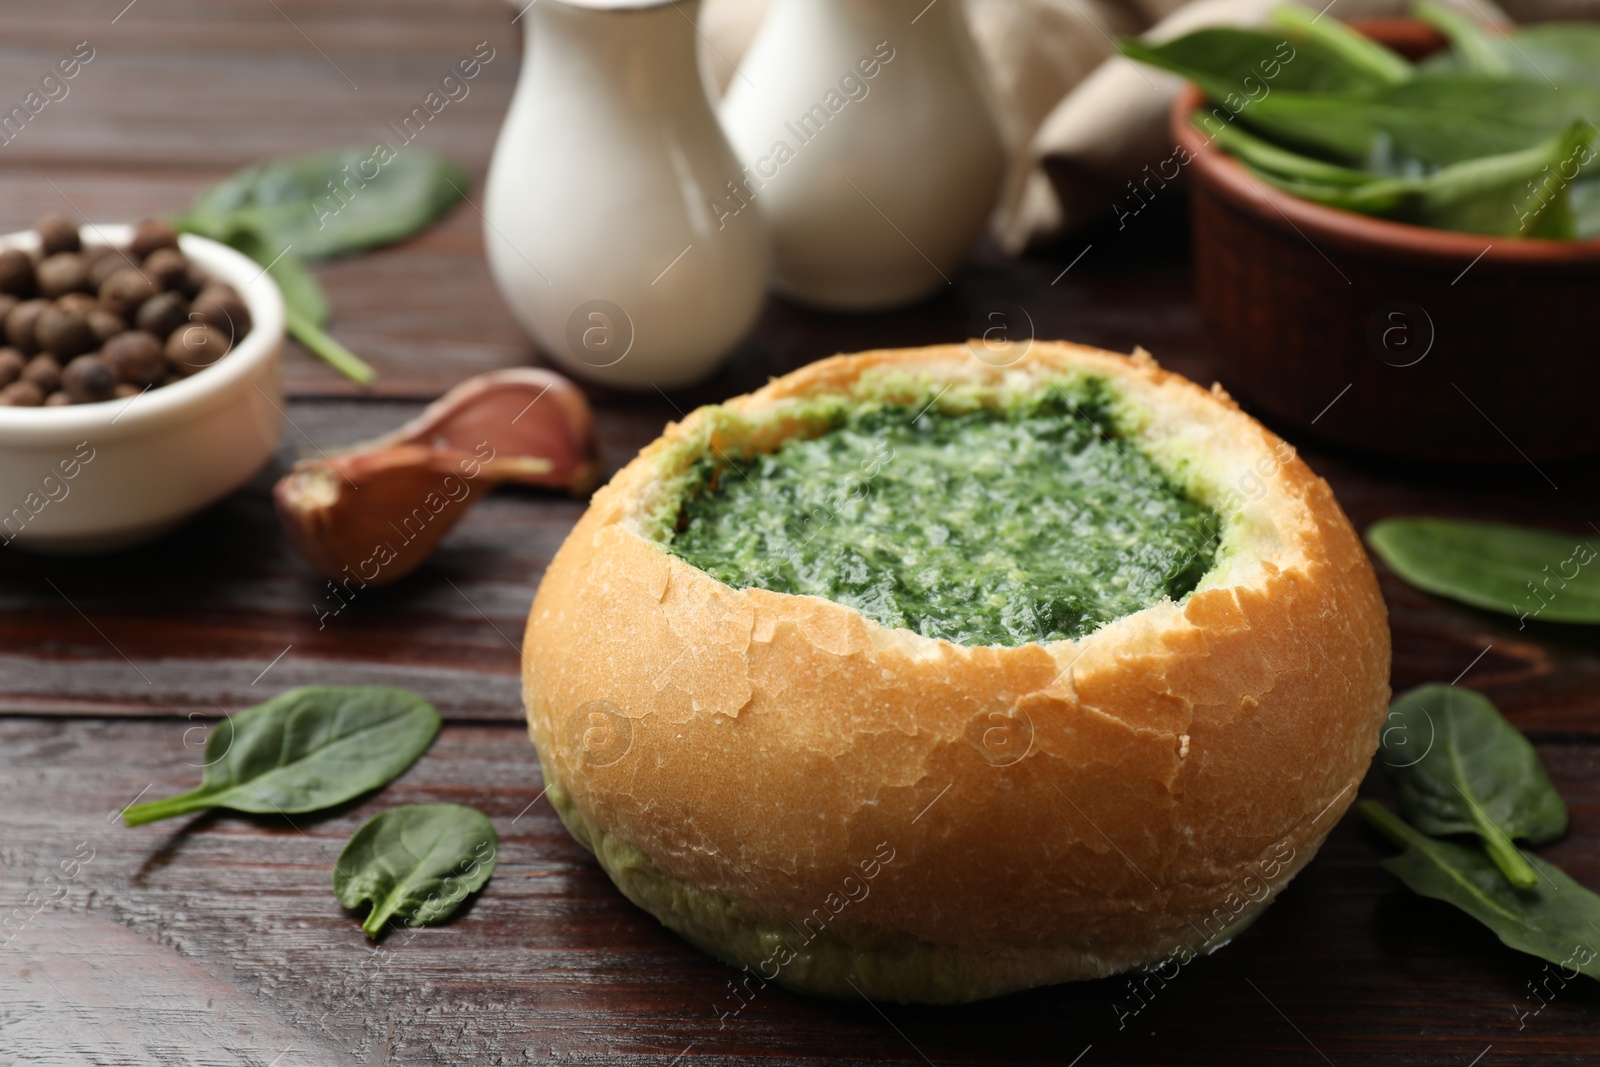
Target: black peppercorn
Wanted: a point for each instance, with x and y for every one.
(194, 348)
(20, 322)
(162, 314)
(21, 395)
(136, 357)
(16, 273)
(87, 379)
(62, 273)
(220, 307)
(151, 234)
(168, 268)
(44, 372)
(125, 290)
(119, 318)
(11, 364)
(105, 324)
(81, 302)
(57, 234)
(104, 261)
(63, 333)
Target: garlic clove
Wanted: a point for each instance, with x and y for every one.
(507, 415)
(375, 516)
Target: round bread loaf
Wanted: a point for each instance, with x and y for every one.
(847, 808)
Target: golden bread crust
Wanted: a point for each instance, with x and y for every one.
(1084, 807)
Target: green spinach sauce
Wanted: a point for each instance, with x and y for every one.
(995, 526)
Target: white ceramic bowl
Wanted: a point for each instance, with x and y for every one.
(95, 477)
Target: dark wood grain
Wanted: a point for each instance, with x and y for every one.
(550, 958)
(217, 940)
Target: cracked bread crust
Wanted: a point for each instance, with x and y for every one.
(1054, 811)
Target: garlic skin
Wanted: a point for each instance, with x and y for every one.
(374, 513)
(525, 411)
(377, 516)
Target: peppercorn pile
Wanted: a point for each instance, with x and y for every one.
(84, 325)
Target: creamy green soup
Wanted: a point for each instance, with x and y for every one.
(989, 526)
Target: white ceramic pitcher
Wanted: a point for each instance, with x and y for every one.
(600, 211)
(869, 143)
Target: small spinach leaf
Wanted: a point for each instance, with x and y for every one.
(1558, 921)
(305, 750)
(332, 203)
(1515, 570)
(417, 863)
(1460, 768)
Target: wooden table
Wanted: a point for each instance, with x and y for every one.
(217, 940)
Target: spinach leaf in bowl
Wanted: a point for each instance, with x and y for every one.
(1474, 143)
(1245, 64)
(1494, 194)
(1432, 121)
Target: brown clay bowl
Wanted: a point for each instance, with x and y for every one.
(1390, 339)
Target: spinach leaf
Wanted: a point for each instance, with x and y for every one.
(1558, 921)
(1492, 195)
(1340, 126)
(1239, 68)
(336, 202)
(1483, 141)
(1460, 768)
(1515, 570)
(1474, 47)
(1447, 118)
(1498, 194)
(1382, 63)
(1281, 162)
(417, 863)
(1439, 119)
(1563, 52)
(305, 750)
(1374, 198)
(284, 212)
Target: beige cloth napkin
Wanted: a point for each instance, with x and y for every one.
(1079, 119)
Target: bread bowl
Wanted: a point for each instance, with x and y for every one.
(848, 807)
